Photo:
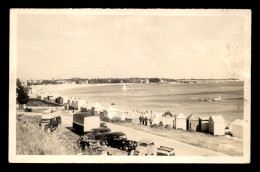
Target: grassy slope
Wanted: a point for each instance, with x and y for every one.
(31, 140)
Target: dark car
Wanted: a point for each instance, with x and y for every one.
(104, 125)
(28, 110)
(95, 132)
(119, 140)
(93, 137)
(50, 122)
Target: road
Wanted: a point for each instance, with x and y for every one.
(181, 149)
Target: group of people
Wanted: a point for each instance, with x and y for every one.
(144, 120)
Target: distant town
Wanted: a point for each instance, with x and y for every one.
(123, 80)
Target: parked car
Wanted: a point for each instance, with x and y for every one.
(93, 137)
(103, 124)
(119, 140)
(145, 147)
(165, 151)
(28, 110)
(91, 144)
(50, 122)
(93, 133)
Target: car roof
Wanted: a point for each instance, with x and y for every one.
(100, 128)
(117, 133)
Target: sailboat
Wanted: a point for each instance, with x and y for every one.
(124, 87)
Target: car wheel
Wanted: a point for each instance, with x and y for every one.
(103, 142)
(126, 148)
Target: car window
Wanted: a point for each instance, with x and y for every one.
(161, 154)
(122, 137)
(45, 120)
(143, 144)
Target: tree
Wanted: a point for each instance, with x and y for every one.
(22, 92)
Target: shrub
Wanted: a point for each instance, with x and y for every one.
(116, 119)
(106, 119)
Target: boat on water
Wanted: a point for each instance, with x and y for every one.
(124, 87)
(217, 99)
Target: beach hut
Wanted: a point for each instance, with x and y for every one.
(204, 124)
(179, 122)
(237, 128)
(79, 103)
(217, 125)
(63, 100)
(167, 114)
(112, 111)
(83, 108)
(98, 108)
(193, 123)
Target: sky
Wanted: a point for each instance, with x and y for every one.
(104, 46)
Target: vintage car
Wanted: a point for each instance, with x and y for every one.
(94, 133)
(165, 151)
(28, 110)
(145, 147)
(119, 140)
(93, 137)
(50, 122)
(91, 144)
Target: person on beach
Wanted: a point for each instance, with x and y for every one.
(145, 119)
(140, 119)
(151, 121)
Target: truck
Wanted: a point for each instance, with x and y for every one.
(85, 121)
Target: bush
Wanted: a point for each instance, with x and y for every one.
(116, 119)
(167, 126)
(106, 119)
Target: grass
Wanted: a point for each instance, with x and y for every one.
(224, 144)
(31, 140)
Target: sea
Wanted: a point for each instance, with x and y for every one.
(186, 98)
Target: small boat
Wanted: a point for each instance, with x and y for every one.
(124, 87)
(217, 99)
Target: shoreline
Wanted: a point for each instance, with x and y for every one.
(58, 89)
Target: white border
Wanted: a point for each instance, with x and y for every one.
(129, 159)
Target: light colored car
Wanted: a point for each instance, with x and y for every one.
(165, 151)
(145, 147)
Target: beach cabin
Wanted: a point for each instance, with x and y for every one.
(63, 100)
(167, 114)
(179, 122)
(79, 103)
(217, 125)
(111, 111)
(204, 124)
(237, 128)
(193, 123)
(83, 108)
(98, 108)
